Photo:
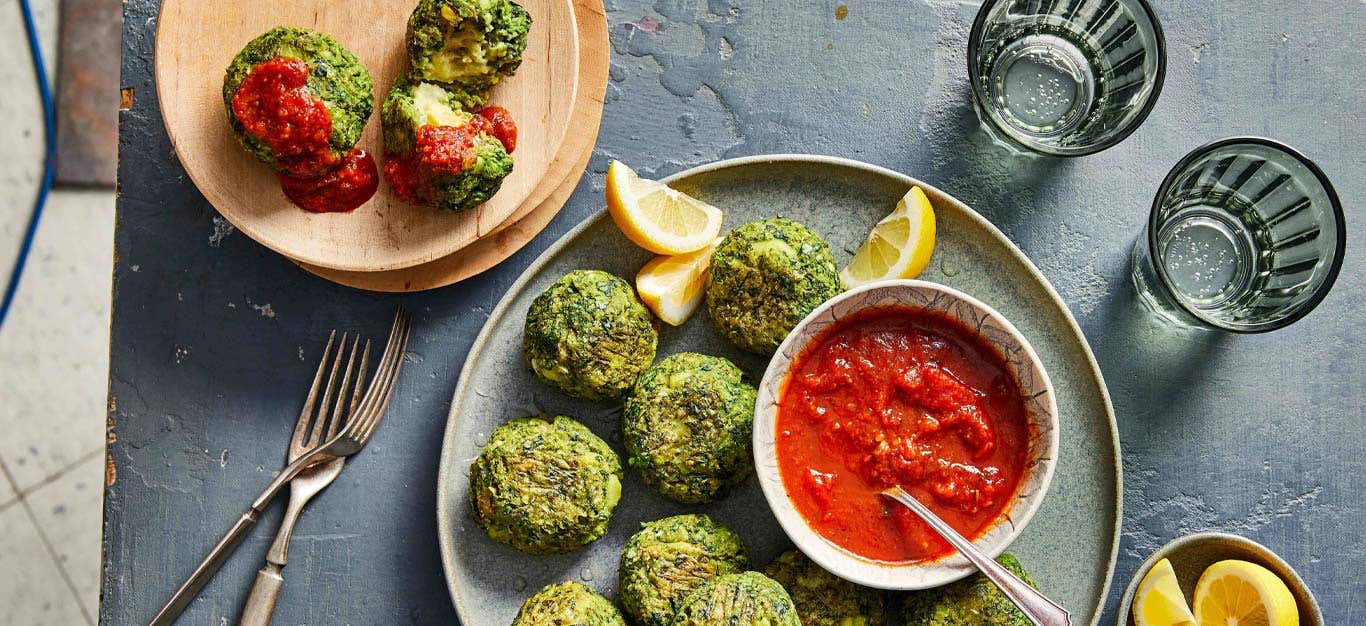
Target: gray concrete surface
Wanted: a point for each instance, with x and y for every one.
(53, 363)
(1259, 435)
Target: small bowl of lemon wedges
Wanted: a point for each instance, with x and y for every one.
(1217, 579)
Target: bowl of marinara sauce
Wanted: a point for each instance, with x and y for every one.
(905, 383)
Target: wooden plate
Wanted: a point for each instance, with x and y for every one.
(1070, 545)
(385, 233)
(545, 201)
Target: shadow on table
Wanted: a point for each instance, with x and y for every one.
(1007, 185)
(1151, 359)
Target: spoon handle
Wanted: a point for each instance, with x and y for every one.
(1036, 606)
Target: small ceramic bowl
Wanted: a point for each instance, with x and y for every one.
(1190, 555)
(1040, 407)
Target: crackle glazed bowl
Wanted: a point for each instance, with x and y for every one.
(1040, 410)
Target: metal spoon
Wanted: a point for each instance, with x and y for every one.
(1038, 608)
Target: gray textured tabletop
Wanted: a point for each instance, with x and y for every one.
(214, 336)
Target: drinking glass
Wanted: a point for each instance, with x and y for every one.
(1065, 77)
(1246, 235)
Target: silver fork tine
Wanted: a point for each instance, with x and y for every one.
(301, 426)
(357, 389)
(384, 363)
(316, 432)
(390, 381)
(340, 405)
(363, 421)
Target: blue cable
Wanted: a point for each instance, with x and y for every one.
(50, 136)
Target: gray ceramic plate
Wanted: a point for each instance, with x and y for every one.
(1069, 547)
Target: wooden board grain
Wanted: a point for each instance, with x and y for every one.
(197, 40)
(530, 219)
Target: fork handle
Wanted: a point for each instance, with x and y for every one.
(220, 553)
(270, 579)
(264, 594)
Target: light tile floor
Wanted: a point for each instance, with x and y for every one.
(53, 364)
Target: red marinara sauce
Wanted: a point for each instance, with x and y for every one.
(276, 106)
(438, 151)
(445, 151)
(496, 121)
(405, 178)
(339, 191)
(899, 395)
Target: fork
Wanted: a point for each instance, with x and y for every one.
(359, 427)
(265, 592)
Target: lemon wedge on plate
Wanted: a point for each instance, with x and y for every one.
(1239, 593)
(900, 245)
(672, 286)
(1159, 602)
(657, 218)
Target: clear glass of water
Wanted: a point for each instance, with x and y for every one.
(1065, 77)
(1246, 235)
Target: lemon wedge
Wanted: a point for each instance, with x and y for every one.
(1238, 593)
(1158, 601)
(657, 218)
(672, 286)
(899, 246)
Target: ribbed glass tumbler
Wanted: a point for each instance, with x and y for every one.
(1246, 235)
(1065, 77)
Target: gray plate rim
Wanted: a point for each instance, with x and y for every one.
(444, 509)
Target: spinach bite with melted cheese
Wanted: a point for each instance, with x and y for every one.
(469, 45)
(588, 336)
(436, 153)
(545, 485)
(412, 105)
(688, 425)
(766, 276)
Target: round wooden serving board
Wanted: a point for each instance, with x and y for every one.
(543, 203)
(196, 41)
